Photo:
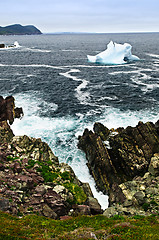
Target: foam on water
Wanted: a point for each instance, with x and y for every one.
(83, 97)
(153, 55)
(62, 133)
(30, 66)
(145, 87)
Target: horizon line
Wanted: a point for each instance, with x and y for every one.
(80, 32)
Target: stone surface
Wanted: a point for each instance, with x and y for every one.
(94, 205)
(154, 165)
(4, 204)
(8, 110)
(129, 154)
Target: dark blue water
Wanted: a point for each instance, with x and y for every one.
(61, 93)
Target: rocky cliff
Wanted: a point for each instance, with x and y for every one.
(124, 163)
(31, 178)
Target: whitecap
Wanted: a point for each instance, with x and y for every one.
(153, 55)
(31, 66)
(82, 96)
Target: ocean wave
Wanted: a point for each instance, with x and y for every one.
(31, 65)
(153, 55)
(83, 97)
(70, 50)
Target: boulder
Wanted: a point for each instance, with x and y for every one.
(154, 165)
(95, 207)
(80, 210)
(56, 203)
(4, 204)
(48, 212)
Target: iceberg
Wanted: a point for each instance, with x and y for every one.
(114, 54)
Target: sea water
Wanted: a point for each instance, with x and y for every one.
(62, 93)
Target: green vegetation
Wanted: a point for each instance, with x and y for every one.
(83, 227)
(11, 158)
(64, 179)
(78, 193)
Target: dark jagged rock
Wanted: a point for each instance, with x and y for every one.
(2, 45)
(95, 208)
(101, 130)
(99, 162)
(8, 110)
(128, 155)
(132, 149)
(6, 133)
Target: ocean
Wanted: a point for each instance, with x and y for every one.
(62, 93)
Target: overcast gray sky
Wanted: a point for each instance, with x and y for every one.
(82, 15)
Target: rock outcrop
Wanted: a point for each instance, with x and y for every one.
(118, 159)
(141, 194)
(31, 178)
(8, 111)
(33, 181)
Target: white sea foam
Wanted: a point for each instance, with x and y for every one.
(99, 66)
(153, 55)
(31, 65)
(56, 130)
(62, 133)
(38, 50)
(107, 98)
(114, 118)
(83, 97)
(145, 86)
(70, 50)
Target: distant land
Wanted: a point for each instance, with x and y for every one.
(18, 29)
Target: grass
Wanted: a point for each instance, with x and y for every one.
(83, 227)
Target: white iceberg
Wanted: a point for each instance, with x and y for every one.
(114, 54)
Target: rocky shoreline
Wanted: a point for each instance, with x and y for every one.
(123, 162)
(31, 178)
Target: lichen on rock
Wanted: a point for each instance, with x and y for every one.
(127, 169)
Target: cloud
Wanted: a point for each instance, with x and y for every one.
(90, 15)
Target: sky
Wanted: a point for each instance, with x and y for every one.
(100, 16)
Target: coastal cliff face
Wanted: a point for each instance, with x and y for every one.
(124, 163)
(31, 178)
